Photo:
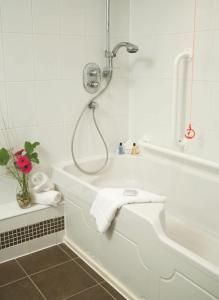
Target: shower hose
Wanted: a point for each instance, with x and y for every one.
(93, 107)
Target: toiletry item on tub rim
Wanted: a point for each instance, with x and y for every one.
(135, 149)
(121, 149)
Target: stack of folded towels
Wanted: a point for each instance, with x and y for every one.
(43, 190)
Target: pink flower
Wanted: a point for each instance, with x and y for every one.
(22, 161)
(24, 164)
(27, 168)
(18, 153)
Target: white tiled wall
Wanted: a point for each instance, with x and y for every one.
(162, 29)
(44, 45)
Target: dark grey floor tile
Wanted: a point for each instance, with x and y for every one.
(10, 271)
(112, 291)
(97, 277)
(20, 290)
(43, 259)
(95, 293)
(68, 250)
(62, 281)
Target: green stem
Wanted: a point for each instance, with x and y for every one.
(25, 185)
(15, 174)
(15, 169)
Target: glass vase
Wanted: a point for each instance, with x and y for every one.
(23, 199)
(23, 195)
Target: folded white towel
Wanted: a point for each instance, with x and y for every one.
(43, 190)
(109, 200)
(41, 182)
(50, 198)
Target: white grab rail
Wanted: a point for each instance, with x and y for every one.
(177, 133)
(192, 160)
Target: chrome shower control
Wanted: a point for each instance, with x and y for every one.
(92, 78)
(106, 72)
(93, 84)
(93, 72)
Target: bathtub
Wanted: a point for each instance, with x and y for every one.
(152, 251)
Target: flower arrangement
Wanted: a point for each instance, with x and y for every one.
(19, 165)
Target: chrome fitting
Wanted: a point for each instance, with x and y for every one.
(108, 54)
(93, 105)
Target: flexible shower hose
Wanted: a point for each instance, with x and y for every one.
(88, 106)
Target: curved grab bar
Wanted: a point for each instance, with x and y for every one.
(176, 122)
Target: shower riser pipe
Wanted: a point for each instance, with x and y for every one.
(108, 35)
(108, 6)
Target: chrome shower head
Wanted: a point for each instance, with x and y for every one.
(131, 48)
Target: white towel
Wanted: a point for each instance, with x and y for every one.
(50, 198)
(109, 200)
(41, 182)
(43, 190)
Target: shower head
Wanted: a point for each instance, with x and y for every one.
(131, 48)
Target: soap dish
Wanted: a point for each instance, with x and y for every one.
(130, 192)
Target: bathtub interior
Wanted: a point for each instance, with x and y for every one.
(124, 171)
(192, 205)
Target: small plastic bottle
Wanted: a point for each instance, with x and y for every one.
(135, 149)
(121, 149)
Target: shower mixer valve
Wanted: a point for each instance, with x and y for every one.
(92, 78)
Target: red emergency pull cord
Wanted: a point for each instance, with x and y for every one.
(190, 132)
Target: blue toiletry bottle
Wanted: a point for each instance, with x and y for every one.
(121, 149)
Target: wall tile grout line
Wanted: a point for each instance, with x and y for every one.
(33, 283)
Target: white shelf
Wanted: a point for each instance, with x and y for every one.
(11, 209)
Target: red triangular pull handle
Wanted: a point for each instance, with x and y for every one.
(190, 132)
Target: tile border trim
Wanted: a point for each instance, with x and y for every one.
(30, 232)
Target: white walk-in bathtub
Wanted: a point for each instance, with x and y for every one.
(152, 251)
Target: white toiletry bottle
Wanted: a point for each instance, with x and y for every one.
(121, 149)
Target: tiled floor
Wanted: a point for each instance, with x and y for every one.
(55, 273)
